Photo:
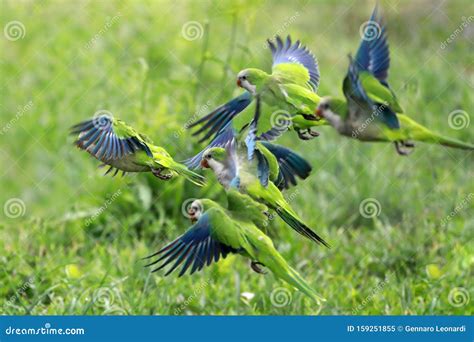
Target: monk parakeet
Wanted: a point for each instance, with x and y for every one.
(370, 110)
(274, 163)
(120, 147)
(233, 170)
(218, 231)
(291, 88)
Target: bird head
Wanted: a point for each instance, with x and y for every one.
(330, 106)
(195, 210)
(214, 158)
(250, 79)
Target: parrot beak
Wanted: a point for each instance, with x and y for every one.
(204, 164)
(239, 84)
(319, 113)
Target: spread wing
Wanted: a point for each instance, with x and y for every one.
(106, 138)
(373, 61)
(193, 250)
(294, 63)
(219, 118)
(361, 106)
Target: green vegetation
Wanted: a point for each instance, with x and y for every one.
(73, 242)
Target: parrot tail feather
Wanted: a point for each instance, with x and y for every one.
(277, 264)
(191, 176)
(450, 142)
(299, 226)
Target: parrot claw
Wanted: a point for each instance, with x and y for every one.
(404, 148)
(307, 134)
(158, 173)
(255, 265)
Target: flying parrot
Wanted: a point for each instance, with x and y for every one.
(233, 171)
(216, 232)
(275, 163)
(119, 146)
(290, 89)
(370, 110)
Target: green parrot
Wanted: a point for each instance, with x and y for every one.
(290, 88)
(120, 147)
(274, 163)
(216, 232)
(234, 171)
(370, 110)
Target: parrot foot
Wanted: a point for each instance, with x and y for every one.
(255, 265)
(158, 173)
(306, 134)
(404, 148)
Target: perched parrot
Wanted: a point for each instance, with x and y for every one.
(290, 88)
(233, 170)
(217, 232)
(275, 163)
(371, 111)
(120, 147)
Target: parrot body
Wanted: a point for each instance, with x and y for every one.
(275, 163)
(218, 232)
(233, 171)
(290, 88)
(119, 146)
(370, 110)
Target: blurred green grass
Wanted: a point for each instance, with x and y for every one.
(131, 58)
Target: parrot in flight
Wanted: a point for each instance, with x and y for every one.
(275, 163)
(370, 110)
(290, 89)
(119, 146)
(217, 232)
(233, 171)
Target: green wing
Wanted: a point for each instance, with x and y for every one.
(106, 138)
(379, 93)
(294, 63)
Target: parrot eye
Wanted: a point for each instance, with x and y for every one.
(244, 77)
(325, 105)
(208, 156)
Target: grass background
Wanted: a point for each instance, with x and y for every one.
(76, 248)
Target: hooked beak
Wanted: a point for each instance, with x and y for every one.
(319, 113)
(204, 164)
(239, 84)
